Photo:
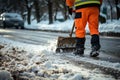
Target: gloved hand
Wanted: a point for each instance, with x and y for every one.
(70, 10)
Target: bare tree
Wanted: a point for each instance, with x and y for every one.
(110, 3)
(37, 10)
(50, 11)
(114, 9)
(29, 5)
(60, 6)
(64, 9)
(117, 8)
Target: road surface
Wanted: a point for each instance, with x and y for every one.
(110, 49)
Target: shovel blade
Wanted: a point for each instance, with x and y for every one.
(66, 44)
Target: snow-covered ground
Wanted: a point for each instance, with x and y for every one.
(109, 26)
(39, 62)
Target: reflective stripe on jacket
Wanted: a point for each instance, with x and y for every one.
(83, 3)
(86, 3)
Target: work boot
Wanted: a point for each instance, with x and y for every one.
(79, 46)
(79, 51)
(95, 51)
(95, 42)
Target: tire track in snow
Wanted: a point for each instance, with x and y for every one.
(106, 70)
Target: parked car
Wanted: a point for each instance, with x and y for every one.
(11, 20)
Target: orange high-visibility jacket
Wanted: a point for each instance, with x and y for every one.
(86, 11)
(83, 3)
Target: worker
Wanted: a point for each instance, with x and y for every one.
(86, 11)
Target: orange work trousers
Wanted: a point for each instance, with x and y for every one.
(84, 15)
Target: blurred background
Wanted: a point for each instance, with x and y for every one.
(49, 9)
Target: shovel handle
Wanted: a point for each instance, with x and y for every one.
(72, 30)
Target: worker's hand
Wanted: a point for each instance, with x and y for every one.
(70, 10)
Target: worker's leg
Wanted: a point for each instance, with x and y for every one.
(79, 46)
(80, 23)
(93, 20)
(93, 26)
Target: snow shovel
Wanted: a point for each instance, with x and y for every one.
(66, 44)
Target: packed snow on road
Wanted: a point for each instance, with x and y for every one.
(22, 61)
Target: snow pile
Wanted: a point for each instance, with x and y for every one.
(110, 26)
(113, 26)
(36, 67)
(5, 75)
(35, 62)
(57, 26)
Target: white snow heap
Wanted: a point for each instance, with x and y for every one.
(5, 75)
(50, 66)
(110, 26)
(113, 26)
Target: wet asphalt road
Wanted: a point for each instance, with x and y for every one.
(109, 45)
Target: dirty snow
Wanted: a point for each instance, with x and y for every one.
(37, 62)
